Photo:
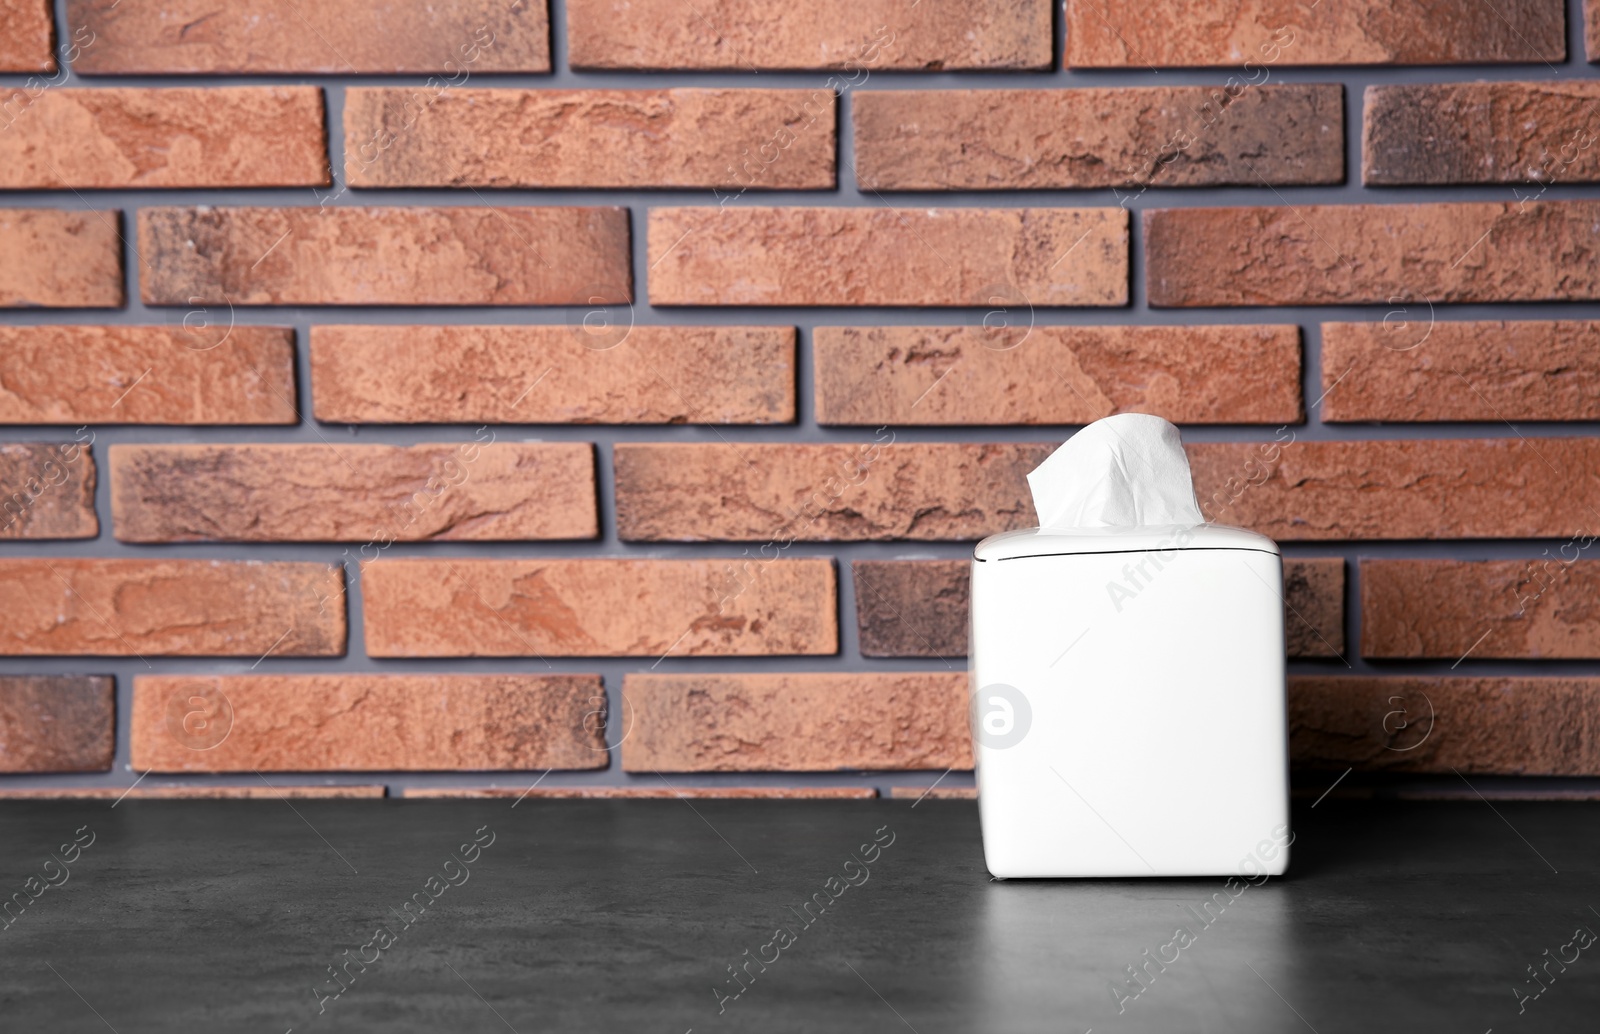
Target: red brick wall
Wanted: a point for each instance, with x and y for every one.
(388, 400)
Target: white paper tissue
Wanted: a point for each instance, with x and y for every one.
(1124, 471)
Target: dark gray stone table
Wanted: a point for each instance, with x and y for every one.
(626, 915)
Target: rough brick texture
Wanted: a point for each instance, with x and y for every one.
(1492, 370)
(733, 138)
(1531, 134)
(599, 608)
(809, 722)
(499, 491)
(118, 608)
(197, 792)
(1090, 137)
(1288, 489)
(54, 259)
(1501, 726)
(1546, 606)
(920, 608)
(912, 608)
(25, 46)
(603, 370)
(1591, 29)
(1021, 374)
(358, 723)
(184, 137)
(1336, 254)
(1463, 488)
(1183, 34)
(342, 255)
(779, 493)
(1313, 604)
(73, 374)
(879, 256)
(333, 36)
(47, 491)
(856, 36)
(57, 723)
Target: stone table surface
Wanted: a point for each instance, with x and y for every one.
(625, 915)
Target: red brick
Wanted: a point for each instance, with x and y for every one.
(780, 493)
(1547, 606)
(1433, 371)
(229, 136)
(1175, 34)
(346, 255)
(333, 36)
(1529, 791)
(68, 374)
(1591, 30)
(1313, 604)
(707, 793)
(364, 723)
(853, 35)
(599, 607)
(1163, 136)
(178, 608)
(1527, 133)
(1492, 488)
(26, 44)
(56, 259)
(496, 492)
(786, 722)
(1288, 489)
(1021, 374)
(1348, 254)
(919, 608)
(882, 256)
(57, 723)
(606, 372)
(732, 138)
(201, 792)
(1495, 726)
(912, 608)
(47, 491)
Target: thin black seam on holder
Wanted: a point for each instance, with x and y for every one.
(1152, 549)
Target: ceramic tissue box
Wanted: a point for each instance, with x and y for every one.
(1127, 666)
